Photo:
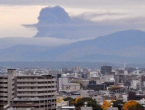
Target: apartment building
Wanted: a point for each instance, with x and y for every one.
(106, 69)
(23, 92)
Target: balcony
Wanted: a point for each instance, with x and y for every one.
(33, 99)
(45, 89)
(3, 94)
(4, 89)
(4, 80)
(3, 85)
(3, 103)
(35, 80)
(34, 94)
(34, 104)
(4, 99)
(24, 105)
(36, 85)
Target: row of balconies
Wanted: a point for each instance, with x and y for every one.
(6, 85)
(6, 93)
(3, 94)
(3, 103)
(4, 80)
(4, 99)
(30, 80)
(34, 99)
(3, 85)
(36, 85)
(39, 106)
(3, 89)
(35, 80)
(33, 95)
(42, 89)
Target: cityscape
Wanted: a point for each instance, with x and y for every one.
(74, 88)
(72, 55)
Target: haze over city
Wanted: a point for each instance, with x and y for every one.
(72, 55)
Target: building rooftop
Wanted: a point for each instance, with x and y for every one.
(71, 84)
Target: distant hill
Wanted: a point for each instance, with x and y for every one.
(109, 58)
(119, 47)
(124, 44)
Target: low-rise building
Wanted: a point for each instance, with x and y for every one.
(71, 87)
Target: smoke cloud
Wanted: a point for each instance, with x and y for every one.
(55, 22)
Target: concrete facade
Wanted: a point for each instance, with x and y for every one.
(32, 92)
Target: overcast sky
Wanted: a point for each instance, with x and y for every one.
(15, 13)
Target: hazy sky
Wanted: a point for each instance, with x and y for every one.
(15, 13)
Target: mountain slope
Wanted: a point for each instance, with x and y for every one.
(109, 58)
(125, 43)
(124, 46)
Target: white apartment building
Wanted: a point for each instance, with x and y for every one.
(23, 92)
(62, 80)
(64, 85)
(108, 78)
(135, 84)
(94, 74)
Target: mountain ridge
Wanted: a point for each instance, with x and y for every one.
(120, 46)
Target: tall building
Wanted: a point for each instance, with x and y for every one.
(62, 80)
(33, 92)
(76, 69)
(106, 69)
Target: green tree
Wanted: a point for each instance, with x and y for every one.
(68, 99)
(139, 107)
(71, 101)
(119, 104)
(90, 101)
